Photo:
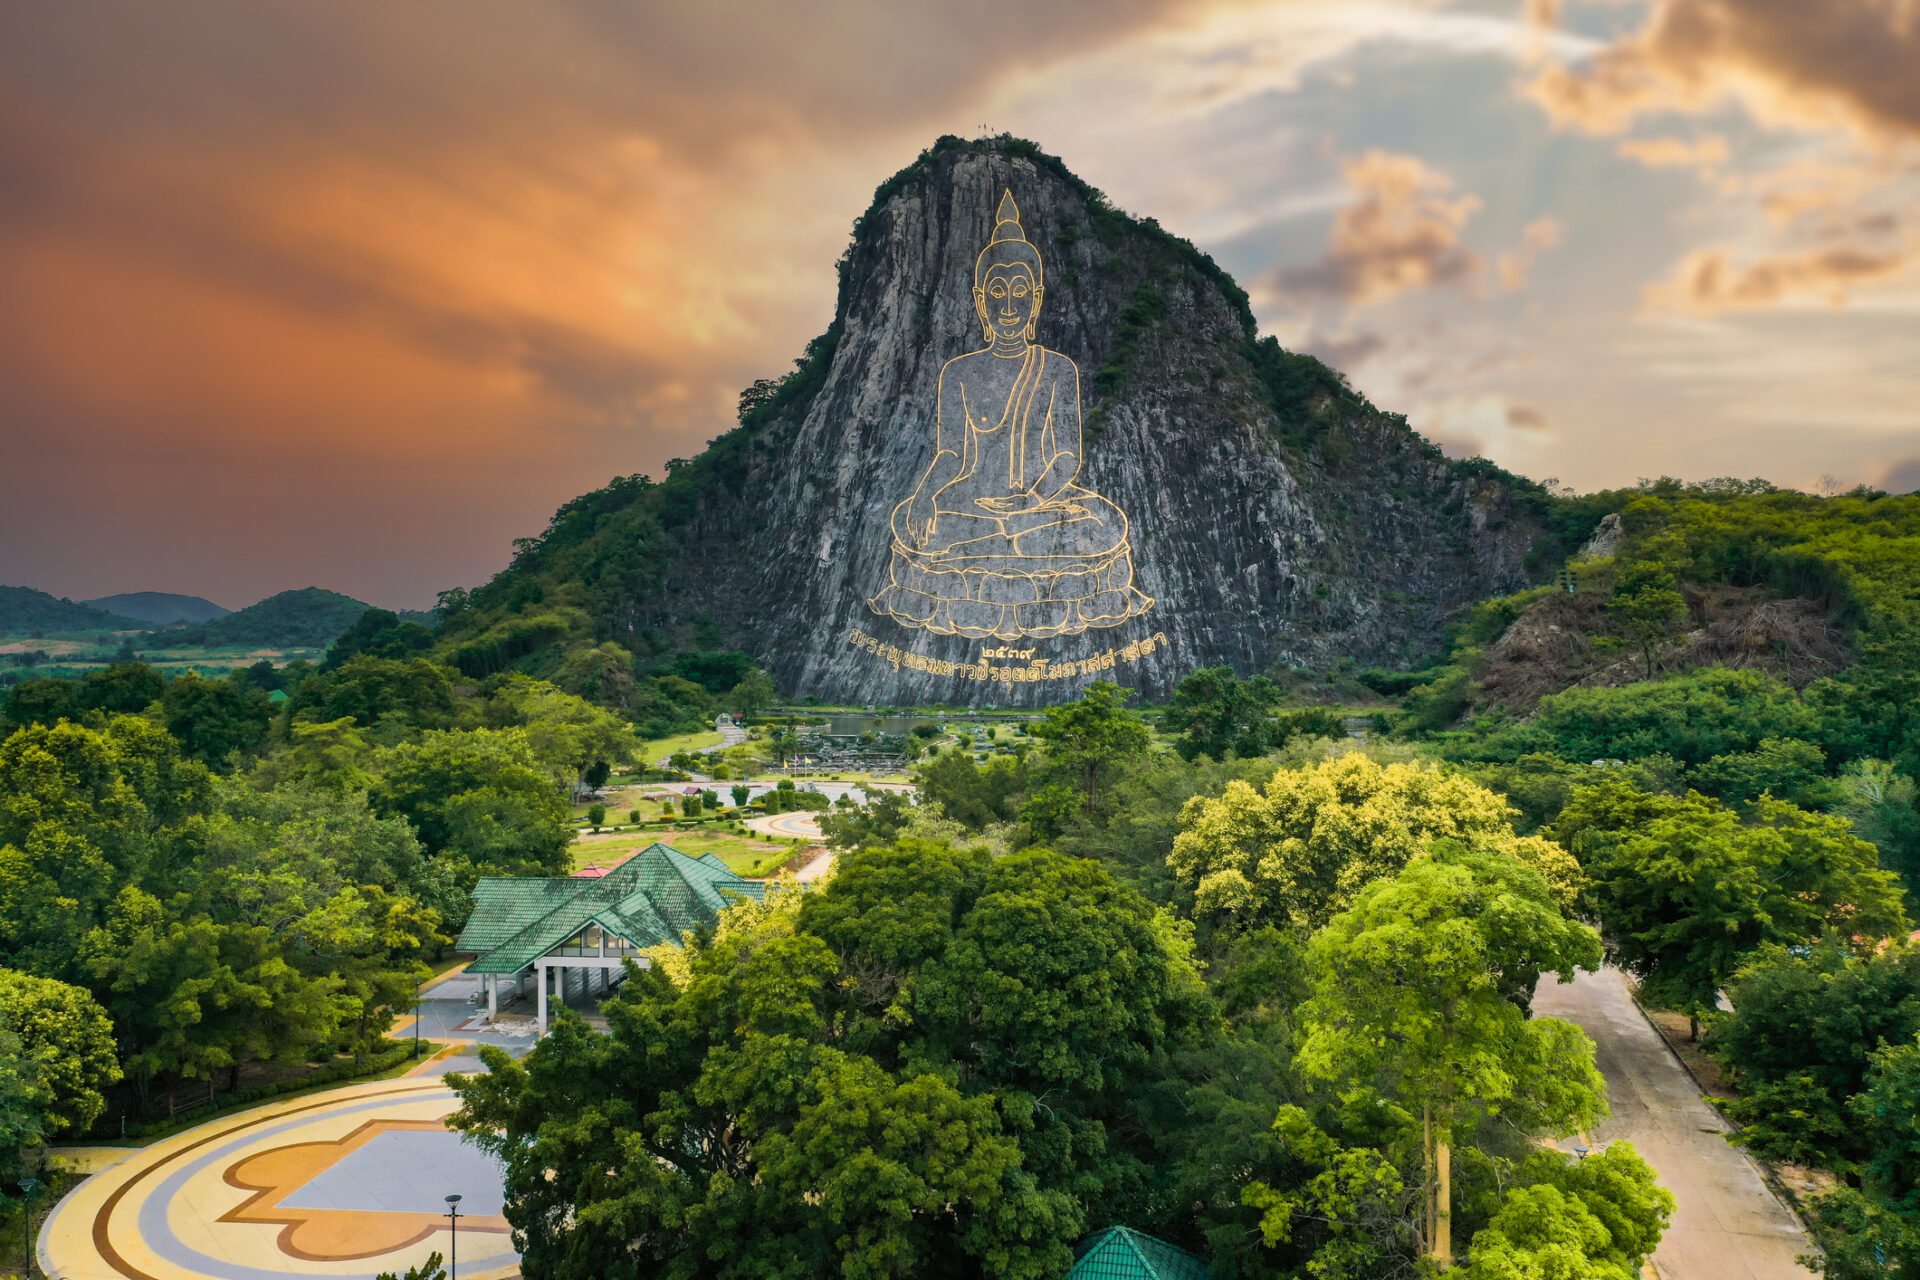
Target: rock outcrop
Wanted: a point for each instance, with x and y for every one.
(1276, 517)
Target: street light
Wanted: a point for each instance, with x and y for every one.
(27, 1187)
(1580, 1150)
(453, 1216)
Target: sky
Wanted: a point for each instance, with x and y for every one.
(354, 295)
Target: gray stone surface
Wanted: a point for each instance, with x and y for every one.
(1341, 535)
(1727, 1225)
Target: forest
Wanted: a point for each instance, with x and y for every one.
(1217, 970)
(198, 883)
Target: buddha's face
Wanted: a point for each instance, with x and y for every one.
(1008, 300)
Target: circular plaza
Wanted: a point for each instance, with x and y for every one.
(349, 1184)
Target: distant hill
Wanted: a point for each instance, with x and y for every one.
(24, 609)
(161, 608)
(309, 618)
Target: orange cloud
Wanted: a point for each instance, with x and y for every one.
(1838, 62)
(1708, 281)
(1403, 233)
(402, 244)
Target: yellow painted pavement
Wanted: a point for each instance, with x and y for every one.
(344, 1184)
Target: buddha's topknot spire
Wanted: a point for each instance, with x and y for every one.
(1007, 221)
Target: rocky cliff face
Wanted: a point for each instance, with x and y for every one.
(1276, 517)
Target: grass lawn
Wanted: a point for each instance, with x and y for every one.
(744, 855)
(653, 752)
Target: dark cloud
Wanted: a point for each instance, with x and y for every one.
(1901, 477)
(1527, 417)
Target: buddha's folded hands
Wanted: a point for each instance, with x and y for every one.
(1022, 502)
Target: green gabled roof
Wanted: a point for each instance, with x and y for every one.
(1121, 1253)
(503, 907)
(652, 897)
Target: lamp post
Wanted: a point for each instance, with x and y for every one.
(453, 1216)
(27, 1187)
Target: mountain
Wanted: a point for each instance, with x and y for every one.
(1236, 502)
(309, 618)
(24, 609)
(160, 608)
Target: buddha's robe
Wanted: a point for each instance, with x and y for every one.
(998, 539)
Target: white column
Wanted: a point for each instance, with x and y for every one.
(493, 995)
(542, 1021)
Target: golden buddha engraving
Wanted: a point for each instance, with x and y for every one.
(998, 539)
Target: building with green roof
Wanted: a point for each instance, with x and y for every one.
(560, 930)
(1121, 1253)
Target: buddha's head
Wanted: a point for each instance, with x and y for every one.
(1008, 281)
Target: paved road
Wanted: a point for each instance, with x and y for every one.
(817, 868)
(801, 824)
(1727, 1226)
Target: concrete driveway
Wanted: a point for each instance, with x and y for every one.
(1727, 1225)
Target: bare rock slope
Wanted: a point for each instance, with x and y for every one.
(1276, 517)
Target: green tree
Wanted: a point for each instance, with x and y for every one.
(1300, 850)
(1087, 740)
(1690, 718)
(974, 795)
(596, 815)
(167, 984)
(741, 792)
(1800, 1038)
(380, 633)
(83, 813)
(1648, 608)
(369, 944)
(212, 719)
(754, 694)
(1785, 768)
(1880, 802)
(880, 821)
(1888, 1110)
(431, 1268)
(64, 1040)
(783, 743)
(1593, 1219)
(482, 793)
(1420, 988)
(567, 734)
(1687, 890)
(747, 1145)
(393, 694)
(928, 1067)
(42, 702)
(1217, 713)
(125, 688)
(24, 1102)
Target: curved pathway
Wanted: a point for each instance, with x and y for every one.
(344, 1184)
(799, 824)
(1728, 1225)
